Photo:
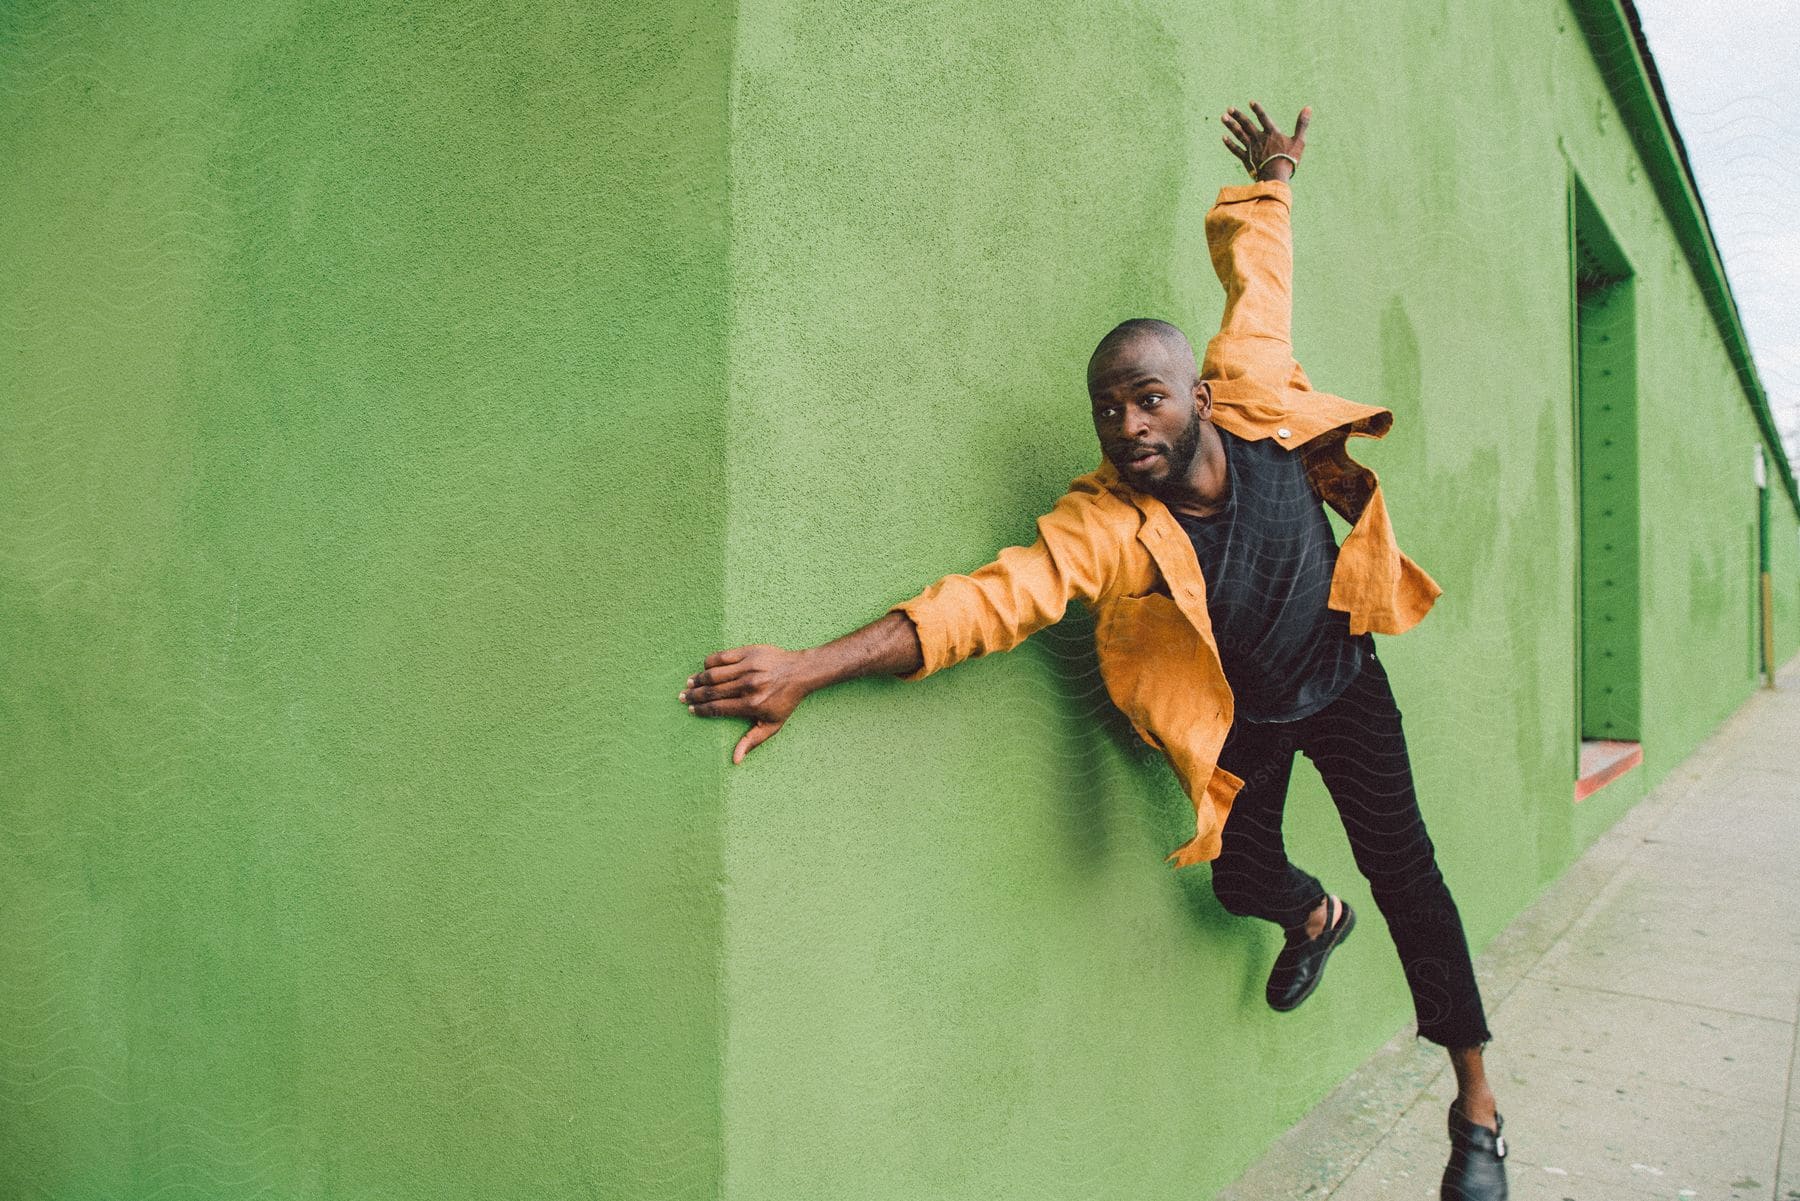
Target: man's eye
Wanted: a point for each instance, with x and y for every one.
(1108, 411)
(1152, 399)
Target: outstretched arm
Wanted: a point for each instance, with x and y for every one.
(766, 683)
(1251, 244)
(991, 609)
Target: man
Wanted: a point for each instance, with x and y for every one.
(1231, 628)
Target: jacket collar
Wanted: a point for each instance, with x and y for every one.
(1252, 412)
(1293, 417)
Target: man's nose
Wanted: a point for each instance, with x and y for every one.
(1134, 424)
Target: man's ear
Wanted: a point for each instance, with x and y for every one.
(1203, 399)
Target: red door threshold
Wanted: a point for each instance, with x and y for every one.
(1602, 762)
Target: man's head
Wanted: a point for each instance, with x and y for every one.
(1149, 402)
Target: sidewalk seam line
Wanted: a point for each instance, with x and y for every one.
(1614, 992)
(1389, 1129)
(1787, 1113)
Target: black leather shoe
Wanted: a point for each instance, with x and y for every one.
(1302, 961)
(1476, 1171)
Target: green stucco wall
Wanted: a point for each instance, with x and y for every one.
(1784, 569)
(358, 369)
(955, 965)
(394, 408)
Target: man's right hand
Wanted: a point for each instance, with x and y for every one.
(763, 684)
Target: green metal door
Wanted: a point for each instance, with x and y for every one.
(1606, 373)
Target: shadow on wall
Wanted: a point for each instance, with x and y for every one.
(1092, 733)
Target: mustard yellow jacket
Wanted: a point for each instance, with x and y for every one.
(1121, 551)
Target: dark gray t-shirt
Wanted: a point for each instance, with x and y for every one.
(1267, 558)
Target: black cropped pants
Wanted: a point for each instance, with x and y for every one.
(1357, 744)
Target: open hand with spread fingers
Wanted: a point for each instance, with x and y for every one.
(1265, 151)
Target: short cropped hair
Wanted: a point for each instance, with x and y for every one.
(1170, 336)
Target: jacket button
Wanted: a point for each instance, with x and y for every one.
(1284, 432)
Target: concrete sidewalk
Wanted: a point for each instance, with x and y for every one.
(1644, 1010)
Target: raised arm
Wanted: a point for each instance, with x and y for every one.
(1251, 244)
(959, 617)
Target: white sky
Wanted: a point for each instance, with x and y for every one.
(1731, 69)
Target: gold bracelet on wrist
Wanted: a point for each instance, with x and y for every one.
(1256, 174)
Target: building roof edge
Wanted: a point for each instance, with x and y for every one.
(1615, 36)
